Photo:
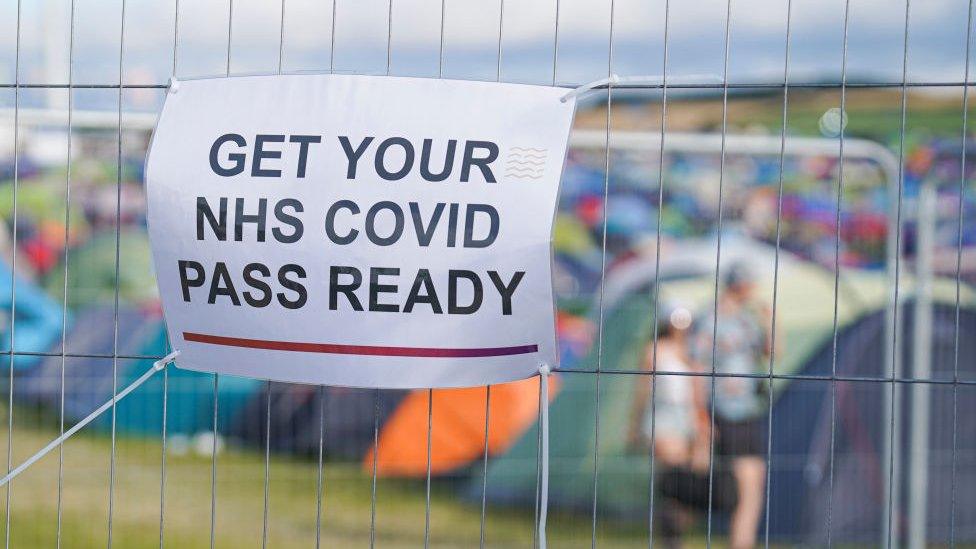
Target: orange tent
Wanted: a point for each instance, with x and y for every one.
(457, 427)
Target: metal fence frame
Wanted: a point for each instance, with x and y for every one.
(893, 166)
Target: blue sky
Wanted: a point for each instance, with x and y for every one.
(936, 47)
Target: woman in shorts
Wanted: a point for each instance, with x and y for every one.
(675, 422)
(741, 343)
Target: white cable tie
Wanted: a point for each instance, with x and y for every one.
(544, 372)
(572, 94)
(161, 363)
(157, 366)
(174, 84)
(650, 79)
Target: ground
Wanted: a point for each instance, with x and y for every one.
(400, 513)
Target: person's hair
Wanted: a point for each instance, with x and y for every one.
(664, 329)
(736, 274)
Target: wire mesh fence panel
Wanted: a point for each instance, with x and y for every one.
(764, 267)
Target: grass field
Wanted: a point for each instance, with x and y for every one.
(400, 508)
(872, 113)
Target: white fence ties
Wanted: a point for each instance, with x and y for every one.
(641, 80)
(609, 81)
(156, 367)
(544, 372)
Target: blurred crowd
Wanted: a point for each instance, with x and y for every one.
(751, 202)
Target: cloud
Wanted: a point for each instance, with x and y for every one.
(471, 36)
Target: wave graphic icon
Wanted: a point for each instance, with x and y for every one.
(525, 163)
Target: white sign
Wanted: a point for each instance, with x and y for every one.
(356, 230)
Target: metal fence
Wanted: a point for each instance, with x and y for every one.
(920, 391)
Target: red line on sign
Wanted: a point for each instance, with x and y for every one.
(371, 350)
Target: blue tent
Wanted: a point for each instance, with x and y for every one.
(89, 378)
(37, 318)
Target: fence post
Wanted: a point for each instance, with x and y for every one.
(921, 367)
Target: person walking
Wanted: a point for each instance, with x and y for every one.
(739, 334)
(675, 424)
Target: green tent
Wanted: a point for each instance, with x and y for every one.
(91, 270)
(578, 448)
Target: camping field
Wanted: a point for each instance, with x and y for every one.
(104, 281)
(400, 509)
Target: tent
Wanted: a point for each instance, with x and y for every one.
(92, 277)
(37, 318)
(578, 449)
(800, 490)
(302, 415)
(457, 428)
(345, 418)
(89, 377)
